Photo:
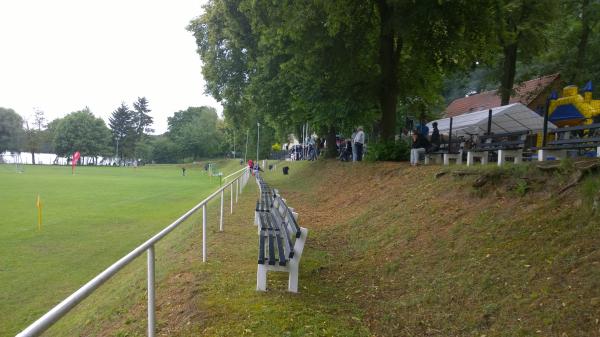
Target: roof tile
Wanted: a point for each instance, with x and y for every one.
(526, 92)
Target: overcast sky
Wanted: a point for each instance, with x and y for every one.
(62, 55)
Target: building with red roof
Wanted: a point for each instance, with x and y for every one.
(532, 93)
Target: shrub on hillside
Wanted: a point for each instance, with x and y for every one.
(388, 151)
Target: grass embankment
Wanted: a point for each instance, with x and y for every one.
(90, 220)
(392, 251)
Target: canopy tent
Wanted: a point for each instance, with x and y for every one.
(508, 118)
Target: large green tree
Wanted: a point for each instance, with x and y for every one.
(123, 125)
(11, 130)
(141, 117)
(164, 150)
(521, 28)
(82, 131)
(35, 133)
(195, 131)
(574, 43)
(332, 62)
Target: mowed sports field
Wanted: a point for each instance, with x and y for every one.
(90, 220)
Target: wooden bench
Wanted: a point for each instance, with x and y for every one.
(509, 144)
(280, 238)
(585, 140)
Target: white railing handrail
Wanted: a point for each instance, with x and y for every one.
(236, 172)
(61, 309)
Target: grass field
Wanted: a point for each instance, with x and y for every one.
(90, 219)
(391, 251)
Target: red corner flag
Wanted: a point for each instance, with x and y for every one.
(76, 156)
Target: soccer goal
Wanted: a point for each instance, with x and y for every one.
(11, 161)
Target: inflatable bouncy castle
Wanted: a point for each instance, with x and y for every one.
(572, 108)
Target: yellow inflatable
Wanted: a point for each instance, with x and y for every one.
(572, 108)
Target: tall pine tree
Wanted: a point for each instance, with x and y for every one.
(141, 117)
(123, 125)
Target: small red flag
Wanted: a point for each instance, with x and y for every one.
(76, 156)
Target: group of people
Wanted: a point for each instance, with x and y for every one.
(352, 148)
(423, 143)
(254, 167)
(309, 150)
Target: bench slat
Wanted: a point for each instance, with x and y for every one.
(261, 248)
(271, 236)
(508, 145)
(288, 214)
(576, 128)
(280, 251)
(286, 235)
(575, 141)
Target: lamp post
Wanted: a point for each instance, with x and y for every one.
(246, 152)
(257, 139)
(233, 143)
(117, 152)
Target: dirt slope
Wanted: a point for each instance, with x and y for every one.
(393, 251)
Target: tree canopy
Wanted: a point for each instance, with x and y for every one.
(333, 62)
(339, 63)
(195, 132)
(81, 131)
(11, 130)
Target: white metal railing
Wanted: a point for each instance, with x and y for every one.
(236, 172)
(56, 313)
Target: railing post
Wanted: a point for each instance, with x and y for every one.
(204, 233)
(221, 222)
(231, 189)
(151, 294)
(237, 184)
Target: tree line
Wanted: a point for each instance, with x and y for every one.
(337, 64)
(194, 133)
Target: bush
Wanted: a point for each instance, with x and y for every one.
(388, 151)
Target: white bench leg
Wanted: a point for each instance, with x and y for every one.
(518, 156)
(446, 159)
(294, 263)
(484, 158)
(469, 158)
(426, 159)
(541, 155)
(501, 158)
(261, 278)
(293, 277)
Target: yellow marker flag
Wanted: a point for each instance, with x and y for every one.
(38, 205)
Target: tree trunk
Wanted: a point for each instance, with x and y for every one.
(389, 49)
(583, 41)
(33, 157)
(508, 72)
(331, 150)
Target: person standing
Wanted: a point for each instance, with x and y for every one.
(435, 137)
(359, 141)
(353, 147)
(251, 166)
